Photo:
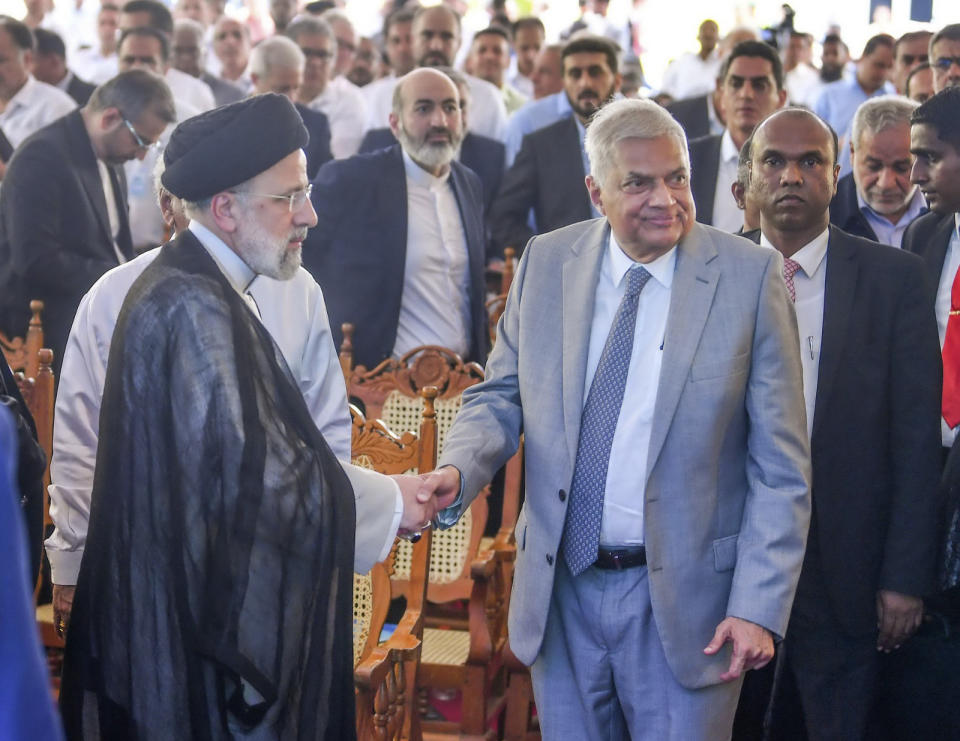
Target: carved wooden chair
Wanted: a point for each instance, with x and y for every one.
(461, 648)
(498, 303)
(383, 673)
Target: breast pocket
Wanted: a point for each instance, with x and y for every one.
(725, 553)
(720, 368)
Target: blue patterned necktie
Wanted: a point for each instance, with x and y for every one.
(581, 535)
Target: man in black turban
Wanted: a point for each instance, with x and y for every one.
(214, 598)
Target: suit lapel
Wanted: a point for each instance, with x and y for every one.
(937, 254)
(571, 147)
(470, 213)
(839, 293)
(88, 172)
(580, 275)
(694, 286)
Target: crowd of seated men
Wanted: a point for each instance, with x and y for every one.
(436, 141)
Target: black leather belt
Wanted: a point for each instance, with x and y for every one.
(617, 559)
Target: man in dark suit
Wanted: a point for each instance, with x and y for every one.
(50, 66)
(698, 116)
(483, 155)
(399, 246)
(871, 380)
(276, 66)
(877, 201)
(549, 170)
(63, 206)
(751, 88)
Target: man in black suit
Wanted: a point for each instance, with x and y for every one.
(871, 377)
(483, 155)
(751, 88)
(399, 245)
(50, 66)
(699, 116)
(549, 170)
(63, 206)
(877, 201)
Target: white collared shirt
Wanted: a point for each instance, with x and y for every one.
(344, 106)
(951, 263)
(809, 283)
(237, 272)
(35, 105)
(688, 75)
(436, 274)
(726, 216)
(113, 215)
(622, 522)
(887, 233)
(294, 313)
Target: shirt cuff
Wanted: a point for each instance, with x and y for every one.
(395, 525)
(64, 565)
(447, 518)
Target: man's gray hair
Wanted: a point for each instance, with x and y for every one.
(879, 114)
(305, 24)
(158, 167)
(627, 118)
(133, 93)
(273, 52)
(188, 24)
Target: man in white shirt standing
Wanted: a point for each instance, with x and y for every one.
(436, 39)
(26, 104)
(872, 546)
(336, 97)
(398, 48)
(695, 73)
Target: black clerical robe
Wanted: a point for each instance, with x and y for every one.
(214, 598)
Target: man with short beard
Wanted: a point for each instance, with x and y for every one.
(399, 245)
(220, 515)
(547, 174)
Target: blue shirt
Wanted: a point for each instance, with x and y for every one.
(836, 105)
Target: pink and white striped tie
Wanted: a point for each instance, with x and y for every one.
(790, 267)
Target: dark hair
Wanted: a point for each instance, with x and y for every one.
(941, 111)
(530, 21)
(919, 68)
(875, 42)
(133, 93)
(493, 31)
(426, 9)
(20, 32)
(833, 38)
(910, 36)
(160, 17)
(400, 15)
(950, 32)
(148, 32)
(593, 45)
(49, 42)
(759, 49)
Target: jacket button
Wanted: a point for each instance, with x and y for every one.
(550, 559)
(562, 495)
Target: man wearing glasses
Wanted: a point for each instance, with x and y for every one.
(223, 530)
(945, 57)
(63, 206)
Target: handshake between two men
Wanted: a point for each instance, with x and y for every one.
(423, 497)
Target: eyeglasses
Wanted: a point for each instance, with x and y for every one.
(945, 63)
(321, 54)
(141, 144)
(295, 200)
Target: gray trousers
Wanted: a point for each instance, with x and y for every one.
(601, 673)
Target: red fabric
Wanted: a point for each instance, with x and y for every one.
(951, 358)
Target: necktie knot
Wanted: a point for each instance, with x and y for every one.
(637, 278)
(790, 268)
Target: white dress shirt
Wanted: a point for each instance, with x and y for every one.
(435, 304)
(292, 311)
(727, 216)
(887, 233)
(34, 105)
(113, 214)
(951, 263)
(688, 75)
(809, 283)
(345, 108)
(802, 84)
(488, 115)
(622, 522)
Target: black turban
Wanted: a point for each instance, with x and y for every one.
(229, 145)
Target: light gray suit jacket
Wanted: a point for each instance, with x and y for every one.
(727, 502)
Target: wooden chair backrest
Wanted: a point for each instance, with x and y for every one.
(23, 353)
